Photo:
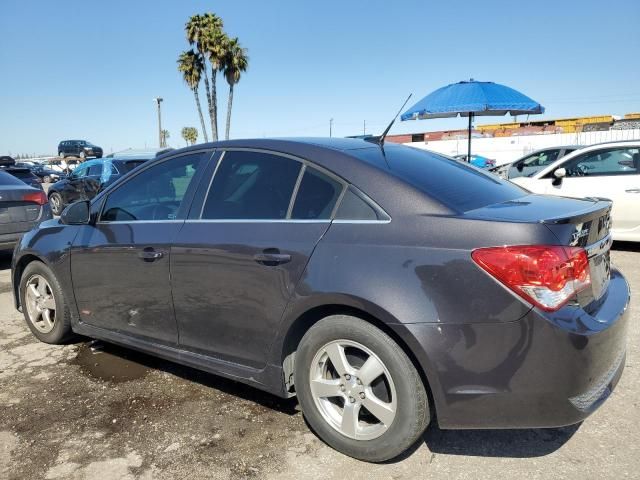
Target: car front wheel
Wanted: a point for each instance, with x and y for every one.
(43, 304)
(56, 203)
(358, 390)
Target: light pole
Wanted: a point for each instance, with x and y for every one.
(331, 127)
(158, 100)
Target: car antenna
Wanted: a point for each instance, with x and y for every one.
(380, 140)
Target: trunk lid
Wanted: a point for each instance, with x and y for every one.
(574, 222)
(17, 215)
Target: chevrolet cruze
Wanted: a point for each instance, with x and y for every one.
(383, 285)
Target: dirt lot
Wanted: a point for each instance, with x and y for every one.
(91, 410)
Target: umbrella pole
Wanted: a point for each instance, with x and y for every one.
(469, 138)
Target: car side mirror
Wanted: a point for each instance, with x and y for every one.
(76, 214)
(559, 174)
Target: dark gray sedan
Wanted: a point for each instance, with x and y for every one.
(22, 207)
(384, 286)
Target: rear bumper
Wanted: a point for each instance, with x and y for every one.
(540, 371)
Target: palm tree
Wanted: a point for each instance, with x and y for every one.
(191, 65)
(164, 134)
(234, 64)
(190, 135)
(205, 31)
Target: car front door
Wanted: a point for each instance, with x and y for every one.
(92, 180)
(612, 173)
(120, 264)
(238, 258)
(73, 188)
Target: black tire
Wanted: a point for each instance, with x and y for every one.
(412, 409)
(61, 331)
(55, 200)
(46, 179)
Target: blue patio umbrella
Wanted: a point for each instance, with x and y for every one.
(470, 99)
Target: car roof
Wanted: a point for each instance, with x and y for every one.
(138, 153)
(586, 149)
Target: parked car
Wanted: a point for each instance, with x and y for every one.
(6, 160)
(21, 208)
(477, 161)
(78, 148)
(381, 285)
(86, 180)
(607, 170)
(533, 162)
(45, 174)
(25, 175)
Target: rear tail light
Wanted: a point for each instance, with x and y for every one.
(36, 197)
(545, 275)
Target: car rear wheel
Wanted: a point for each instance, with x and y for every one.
(61, 155)
(358, 389)
(43, 304)
(46, 179)
(55, 200)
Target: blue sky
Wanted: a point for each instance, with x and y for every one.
(80, 69)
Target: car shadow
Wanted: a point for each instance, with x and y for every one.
(5, 259)
(125, 360)
(511, 443)
(626, 246)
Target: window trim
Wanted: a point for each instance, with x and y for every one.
(122, 181)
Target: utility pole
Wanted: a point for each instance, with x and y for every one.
(331, 127)
(364, 127)
(158, 100)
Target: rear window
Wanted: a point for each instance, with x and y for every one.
(6, 179)
(452, 183)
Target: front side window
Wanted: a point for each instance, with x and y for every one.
(251, 185)
(317, 196)
(154, 194)
(620, 161)
(79, 172)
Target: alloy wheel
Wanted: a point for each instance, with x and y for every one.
(40, 303)
(353, 390)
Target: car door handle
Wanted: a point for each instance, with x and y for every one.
(149, 254)
(272, 257)
(633, 190)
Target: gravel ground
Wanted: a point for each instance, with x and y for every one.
(90, 410)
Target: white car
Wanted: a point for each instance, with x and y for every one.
(607, 170)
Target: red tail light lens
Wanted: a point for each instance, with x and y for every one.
(545, 275)
(36, 197)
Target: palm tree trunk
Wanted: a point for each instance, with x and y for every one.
(214, 132)
(229, 105)
(204, 129)
(214, 104)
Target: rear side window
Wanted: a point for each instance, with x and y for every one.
(251, 185)
(129, 165)
(317, 196)
(452, 183)
(95, 170)
(353, 207)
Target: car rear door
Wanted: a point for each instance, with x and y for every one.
(120, 264)
(238, 258)
(612, 173)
